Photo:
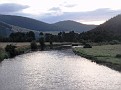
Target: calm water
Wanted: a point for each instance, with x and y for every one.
(56, 70)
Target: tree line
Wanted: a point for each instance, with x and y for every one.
(98, 36)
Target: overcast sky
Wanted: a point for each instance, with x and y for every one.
(51, 11)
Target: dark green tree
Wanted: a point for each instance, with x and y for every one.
(42, 41)
(33, 45)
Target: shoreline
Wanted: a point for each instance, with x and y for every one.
(26, 49)
(20, 50)
(92, 58)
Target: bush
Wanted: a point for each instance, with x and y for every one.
(118, 56)
(10, 49)
(33, 46)
(3, 55)
(87, 46)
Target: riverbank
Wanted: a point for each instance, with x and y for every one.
(3, 54)
(21, 49)
(105, 55)
(24, 47)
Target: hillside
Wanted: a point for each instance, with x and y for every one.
(36, 25)
(5, 29)
(113, 25)
(28, 23)
(108, 31)
(74, 26)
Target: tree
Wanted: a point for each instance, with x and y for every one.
(33, 46)
(30, 36)
(42, 41)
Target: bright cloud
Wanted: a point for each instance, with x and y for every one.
(54, 10)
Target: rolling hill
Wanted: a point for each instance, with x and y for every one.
(27, 23)
(33, 24)
(74, 26)
(108, 31)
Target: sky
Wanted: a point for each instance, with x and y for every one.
(51, 11)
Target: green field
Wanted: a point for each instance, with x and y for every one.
(105, 54)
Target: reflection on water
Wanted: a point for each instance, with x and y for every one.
(56, 70)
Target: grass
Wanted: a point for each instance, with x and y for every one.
(18, 44)
(105, 54)
(21, 48)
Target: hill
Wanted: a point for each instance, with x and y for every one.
(36, 25)
(5, 29)
(108, 31)
(28, 23)
(74, 26)
(113, 25)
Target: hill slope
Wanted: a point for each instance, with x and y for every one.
(33, 24)
(5, 29)
(108, 31)
(74, 26)
(113, 25)
(28, 23)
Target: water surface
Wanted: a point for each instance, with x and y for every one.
(56, 70)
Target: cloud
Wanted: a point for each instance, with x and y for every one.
(70, 5)
(55, 9)
(9, 8)
(96, 15)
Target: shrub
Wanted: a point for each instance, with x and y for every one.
(33, 46)
(87, 46)
(10, 49)
(3, 55)
(118, 56)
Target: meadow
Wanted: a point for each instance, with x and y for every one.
(105, 54)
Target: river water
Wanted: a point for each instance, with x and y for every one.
(56, 70)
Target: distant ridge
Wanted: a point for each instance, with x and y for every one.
(74, 26)
(28, 23)
(33, 24)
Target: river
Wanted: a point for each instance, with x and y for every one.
(56, 70)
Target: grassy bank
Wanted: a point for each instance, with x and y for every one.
(20, 49)
(24, 47)
(105, 54)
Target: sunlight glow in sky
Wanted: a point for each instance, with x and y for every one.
(51, 11)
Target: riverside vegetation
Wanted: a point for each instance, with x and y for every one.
(11, 50)
(109, 55)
